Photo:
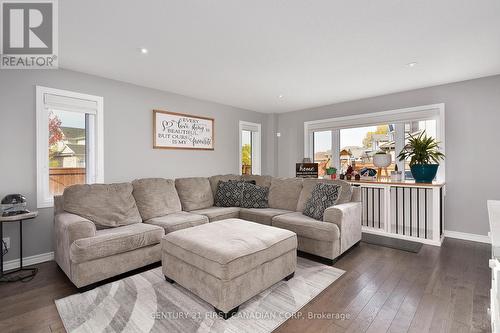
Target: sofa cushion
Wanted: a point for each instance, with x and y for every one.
(261, 215)
(178, 221)
(255, 196)
(156, 197)
(284, 193)
(195, 193)
(259, 180)
(218, 213)
(240, 246)
(308, 185)
(229, 194)
(107, 205)
(305, 226)
(323, 196)
(113, 241)
(214, 181)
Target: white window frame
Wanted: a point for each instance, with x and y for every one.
(397, 117)
(255, 128)
(76, 102)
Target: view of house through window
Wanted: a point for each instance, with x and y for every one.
(323, 150)
(347, 142)
(67, 149)
(246, 152)
(359, 144)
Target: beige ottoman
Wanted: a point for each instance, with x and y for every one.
(228, 262)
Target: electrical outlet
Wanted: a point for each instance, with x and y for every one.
(7, 242)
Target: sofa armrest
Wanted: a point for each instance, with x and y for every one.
(67, 229)
(348, 218)
(74, 226)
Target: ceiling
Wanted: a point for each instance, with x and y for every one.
(248, 53)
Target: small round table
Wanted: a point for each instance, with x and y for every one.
(11, 276)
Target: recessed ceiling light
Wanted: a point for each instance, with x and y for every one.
(411, 64)
(281, 96)
(144, 50)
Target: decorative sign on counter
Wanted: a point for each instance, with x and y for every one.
(306, 170)
(182, 131)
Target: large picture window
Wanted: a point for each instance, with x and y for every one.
(354, 140)
(69, 142)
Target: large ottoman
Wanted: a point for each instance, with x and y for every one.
(228, 262)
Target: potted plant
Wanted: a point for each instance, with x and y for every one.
(332, 172)
(423, 152)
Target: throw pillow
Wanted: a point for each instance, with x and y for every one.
(255, 196)
(323, 196)
(229, 193)
(244, 181)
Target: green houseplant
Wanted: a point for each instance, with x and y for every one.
(423, 152)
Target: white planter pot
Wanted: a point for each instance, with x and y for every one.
(382, 160)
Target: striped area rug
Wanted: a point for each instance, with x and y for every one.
(147, 303)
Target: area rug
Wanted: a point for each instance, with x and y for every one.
(147, 303)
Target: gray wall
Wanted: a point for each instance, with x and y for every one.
(472, 142)
(128, 152)
(472, 137)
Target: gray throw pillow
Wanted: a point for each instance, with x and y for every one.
(323, 196)
(229, 193)
(255, 196)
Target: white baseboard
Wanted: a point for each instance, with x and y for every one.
(467, 236)
(32, 260)
(409, 238)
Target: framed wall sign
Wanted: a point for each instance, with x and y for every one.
(306, 170)
(182, 131)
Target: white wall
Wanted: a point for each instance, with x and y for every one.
(472, 142)
(128, 136)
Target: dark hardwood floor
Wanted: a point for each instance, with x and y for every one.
(442, 289)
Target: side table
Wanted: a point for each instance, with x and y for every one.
(11, 276)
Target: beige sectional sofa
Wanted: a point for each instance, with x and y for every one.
(105, 230)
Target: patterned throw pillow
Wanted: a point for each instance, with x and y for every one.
(323, 196)
(229, 193)
(255, 196)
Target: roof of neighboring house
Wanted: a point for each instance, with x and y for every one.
(355, 151)
(71, 150)
(392, 144)
(77, 149)
(73, 133)
(345, 152)
(319, 155)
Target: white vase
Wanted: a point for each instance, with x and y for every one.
(382, 160)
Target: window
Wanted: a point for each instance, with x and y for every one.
(249, 156)
(353, 140)
(69, 141)
(322, 150)
(246, 152)
(67, 149)
(359, 144)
